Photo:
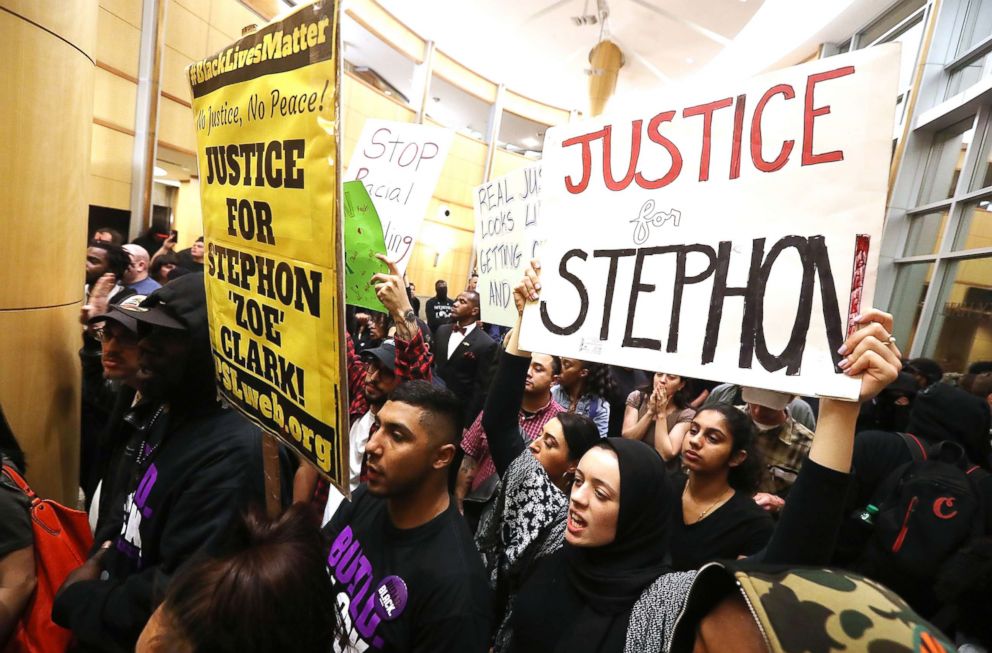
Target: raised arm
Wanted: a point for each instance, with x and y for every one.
(499, 418)
(807, 530)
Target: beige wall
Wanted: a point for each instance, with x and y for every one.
(47, 51)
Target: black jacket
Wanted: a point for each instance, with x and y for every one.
(468, 371)
(201, 473)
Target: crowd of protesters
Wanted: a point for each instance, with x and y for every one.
(506, 500)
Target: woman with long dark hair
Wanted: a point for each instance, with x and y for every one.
(659, 415)
(605, 586)
(715, 516)
(17, 565)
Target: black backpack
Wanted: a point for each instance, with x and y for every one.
(929, 509)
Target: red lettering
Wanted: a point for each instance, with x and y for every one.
(810, 114)
(706, 111)
(756, 154)
(735, 151)
(586, 141)
(635, 151)
(655, 136)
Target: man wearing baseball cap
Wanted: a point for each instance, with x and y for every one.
(196, 465)
(782, 441)
(110, 377)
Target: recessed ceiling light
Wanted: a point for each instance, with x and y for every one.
(690, 60)
(160, 172)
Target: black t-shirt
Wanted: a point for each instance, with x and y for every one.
(738, 527)
(15, 522)
(419, 589)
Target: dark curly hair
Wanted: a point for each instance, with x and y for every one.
(747, 476)
(599, 381)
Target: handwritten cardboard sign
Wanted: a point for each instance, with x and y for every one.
(722, 235)
(507, 237)
(362, 241)
(400, 164)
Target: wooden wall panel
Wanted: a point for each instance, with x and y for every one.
(185, 31)
(110, 155)
(174, 79)
(127, 10)
(73, 20)
(463, 171)
(114, 99)
(505, 162)
(230, 17)
(218, 40)
(44, 163)
(175, 124)
(534, 110)
(109, 192)
(39, 387)
(118, 43)
(199, 8)
(43, 199)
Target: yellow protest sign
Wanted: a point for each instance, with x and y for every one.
(266, 111)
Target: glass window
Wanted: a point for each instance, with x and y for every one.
(377, 63)
(977, 25)
(912, 281)
(458, 109)
(962, 327)
(945, 160)
(976, 227)
(521, 135)
(924, 233)
(982, 176)
(963, 78)
(891, 18)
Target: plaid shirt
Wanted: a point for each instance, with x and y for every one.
(783, 450)
(413, 361)
(475, 444)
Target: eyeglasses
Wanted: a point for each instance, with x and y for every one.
(105, 335)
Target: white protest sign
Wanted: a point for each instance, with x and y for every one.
(399, 163)
(720, 235)
(506, 239)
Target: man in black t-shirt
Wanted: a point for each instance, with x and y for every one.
(439, 306)
(406, 573)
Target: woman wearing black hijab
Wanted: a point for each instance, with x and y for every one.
(606, 587)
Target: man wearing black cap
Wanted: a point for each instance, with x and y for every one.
(110, 379)
(196, 466)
